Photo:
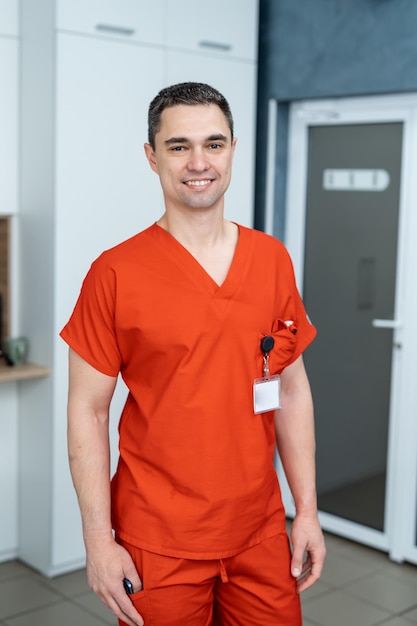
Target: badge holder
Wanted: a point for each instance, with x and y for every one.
(266, 390)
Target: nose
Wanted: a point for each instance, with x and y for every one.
(198, 161)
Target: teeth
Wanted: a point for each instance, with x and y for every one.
(197, 183)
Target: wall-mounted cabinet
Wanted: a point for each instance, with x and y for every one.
(125, 20)
(222, 29)
(172, 23)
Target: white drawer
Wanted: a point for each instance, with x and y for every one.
(136, 20)
(219, 28)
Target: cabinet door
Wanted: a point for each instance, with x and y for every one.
(105, 189)
(9, 17)
(237, 82)
(8, 125)
(135, 20)
(9, 479)
(226, 29)
(105, 193)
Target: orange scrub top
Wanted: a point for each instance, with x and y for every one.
(196, 476)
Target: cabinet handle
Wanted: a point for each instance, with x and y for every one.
(117, 30)
(215, 45)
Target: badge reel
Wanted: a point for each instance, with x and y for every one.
(266, 390)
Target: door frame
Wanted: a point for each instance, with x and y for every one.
(399, 536)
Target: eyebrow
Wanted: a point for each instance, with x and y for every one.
(174, 140)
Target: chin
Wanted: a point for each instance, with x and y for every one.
(206, 203)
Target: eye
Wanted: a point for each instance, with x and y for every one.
(177, 148)
(215, 146)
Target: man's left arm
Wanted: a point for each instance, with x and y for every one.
(294, 426)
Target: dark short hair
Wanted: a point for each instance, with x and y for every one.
(188, 94)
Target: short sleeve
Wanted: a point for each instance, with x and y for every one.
(90, 331)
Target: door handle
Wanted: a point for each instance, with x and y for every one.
(391, 324)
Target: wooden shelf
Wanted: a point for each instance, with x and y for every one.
(10, 373)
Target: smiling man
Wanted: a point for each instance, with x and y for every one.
(191, 530)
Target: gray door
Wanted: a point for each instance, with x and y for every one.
(349, 281)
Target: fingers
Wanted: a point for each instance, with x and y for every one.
(297, 560)
(127, 612)
(120, 604)
(309, 552)
(307, 577)
(310, 570)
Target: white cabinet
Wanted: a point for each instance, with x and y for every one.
(241, 95)
(8, 471)
(105, 192)
(9, 17)
(8, 124)
(9, 54)
(225, 29)
(134, 20)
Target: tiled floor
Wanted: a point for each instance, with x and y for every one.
(359, 587)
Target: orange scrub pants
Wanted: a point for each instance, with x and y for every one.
(254, 587)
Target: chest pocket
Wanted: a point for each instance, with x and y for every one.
(285, 341)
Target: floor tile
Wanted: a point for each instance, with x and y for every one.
(397, 621)
(317, 589)
(62, 614)
(411, 615)
(402, 571)
(339, 609)
(385, 591)
(339, 570)
(11, 569)
(92, 603)
(69, 585)
(23, 593)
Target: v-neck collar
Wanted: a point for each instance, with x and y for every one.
(189, 265)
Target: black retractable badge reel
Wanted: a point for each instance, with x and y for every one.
(266, 390)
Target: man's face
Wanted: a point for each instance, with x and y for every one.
(193, 156)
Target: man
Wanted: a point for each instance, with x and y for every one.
(200, 316)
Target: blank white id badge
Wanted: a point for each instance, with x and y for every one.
(266, 394)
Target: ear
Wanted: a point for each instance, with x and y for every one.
(234, 142)
(150, 155)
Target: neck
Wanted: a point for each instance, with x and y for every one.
(211, 242)
(195, 230)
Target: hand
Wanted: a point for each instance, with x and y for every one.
(307, 539)
(108, 564)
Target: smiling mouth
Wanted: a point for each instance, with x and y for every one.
(197, 183)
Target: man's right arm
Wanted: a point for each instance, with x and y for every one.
(90, 394)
